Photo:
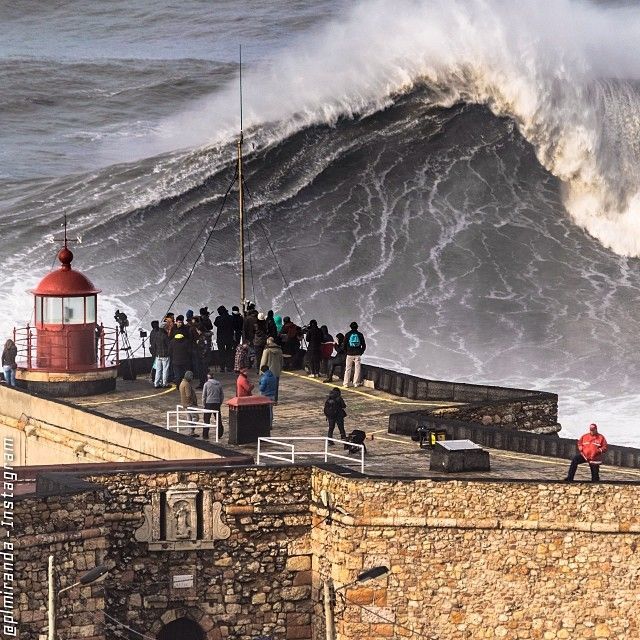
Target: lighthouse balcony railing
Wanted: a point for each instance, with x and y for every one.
(64, 353)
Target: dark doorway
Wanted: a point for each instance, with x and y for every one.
(181, 629)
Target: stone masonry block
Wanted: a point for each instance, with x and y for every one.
(298, 632)
(360, 595)
(299, 563)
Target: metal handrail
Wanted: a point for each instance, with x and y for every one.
(176, 422)
(289, 454)
(26, 341)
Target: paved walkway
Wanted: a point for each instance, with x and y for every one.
(299, 413)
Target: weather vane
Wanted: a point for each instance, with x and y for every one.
(77, 239)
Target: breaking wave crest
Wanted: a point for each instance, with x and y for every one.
(556, 68)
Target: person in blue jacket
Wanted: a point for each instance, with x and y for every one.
(268, 383)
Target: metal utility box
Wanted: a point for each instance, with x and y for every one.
(249, 419)
(453, 456)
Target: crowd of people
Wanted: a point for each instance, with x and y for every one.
(253, 340)
(270, 343)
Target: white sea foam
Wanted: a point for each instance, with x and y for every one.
(563, 71)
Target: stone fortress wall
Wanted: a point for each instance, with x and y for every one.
(250, 575)
(71, 527)
(468, 558)
(473, 559)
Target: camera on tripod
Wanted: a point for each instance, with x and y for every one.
(122, 320)
(143, 333)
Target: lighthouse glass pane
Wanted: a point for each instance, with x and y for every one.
(38, 309)
(52, 310)
(91, 309)
(73, 310)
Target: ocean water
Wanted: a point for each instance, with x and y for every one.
(459, 177)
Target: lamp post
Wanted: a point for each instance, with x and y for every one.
(328, 589)
(94, 575)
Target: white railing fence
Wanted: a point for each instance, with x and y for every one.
(181, 419)
(283, 450)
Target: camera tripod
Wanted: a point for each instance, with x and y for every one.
(128, 371)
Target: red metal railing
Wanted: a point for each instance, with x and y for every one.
(62, 353)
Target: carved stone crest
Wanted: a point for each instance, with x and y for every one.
(182, 518)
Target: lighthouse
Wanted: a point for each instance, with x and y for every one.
(66, 352)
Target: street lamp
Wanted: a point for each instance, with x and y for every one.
(369, 574)
(94, 575)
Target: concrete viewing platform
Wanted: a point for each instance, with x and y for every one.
(299, 413)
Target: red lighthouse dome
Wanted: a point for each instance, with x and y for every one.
(65, 280)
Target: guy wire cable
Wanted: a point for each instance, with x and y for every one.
(273, 253)
(195, 240)
(215, 224)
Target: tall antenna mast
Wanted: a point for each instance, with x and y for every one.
(241, 200)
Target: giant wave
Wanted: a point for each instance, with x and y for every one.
(564, 71)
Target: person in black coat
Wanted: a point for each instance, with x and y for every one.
(272, 329)
(335, 412)
(180, 351)
(237, 326)
(259, 339)
(314, 342)
(355, 346)
(250, 323)
(205, 319)
(161, 343)
(155, 328)
(225, 338)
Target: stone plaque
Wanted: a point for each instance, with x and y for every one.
(183, 581)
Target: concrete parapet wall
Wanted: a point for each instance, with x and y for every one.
(44, 430)
(415, 388)
(533, 415)
(536, 415)
(523, 409)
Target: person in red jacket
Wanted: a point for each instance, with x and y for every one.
(243, 386)
(591, 447)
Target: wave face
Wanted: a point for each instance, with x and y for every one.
(566, 72)
(459, 177)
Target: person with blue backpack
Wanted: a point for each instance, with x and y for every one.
(268, 383)
(355, 346)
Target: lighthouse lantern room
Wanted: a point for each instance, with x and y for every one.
(65, 318)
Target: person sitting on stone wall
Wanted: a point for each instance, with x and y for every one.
(591, 447)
